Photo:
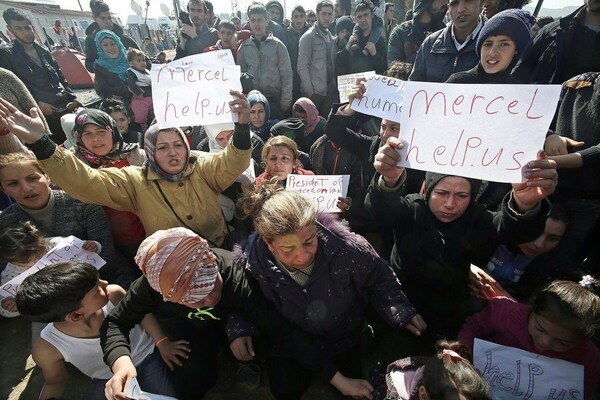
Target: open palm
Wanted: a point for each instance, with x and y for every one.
(27, 128)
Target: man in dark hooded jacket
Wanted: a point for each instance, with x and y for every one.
(102, 20)
(406, 38)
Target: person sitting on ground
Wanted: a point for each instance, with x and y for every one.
(72, 299)
(173, 188)
(260, 114)
(449, 374)
(306, 110)
(438, 233)
(21, 246)
(192, 289)
(321, 277)
(120, 112)
(559, 323)
(110, 67)
(280, 158)
(55, 213)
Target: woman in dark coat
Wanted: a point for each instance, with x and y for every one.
(110, 67)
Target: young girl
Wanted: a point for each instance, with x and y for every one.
(21, 246)
(128, 128)
(140, 85)
(447, 375)
(559, 323)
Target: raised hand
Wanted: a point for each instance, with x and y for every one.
(386, 159)
(29, 129)
(240, 106)
(556, 145)
(542, 179)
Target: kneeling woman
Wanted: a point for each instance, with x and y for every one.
(320, 276)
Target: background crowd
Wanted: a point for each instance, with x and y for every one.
(203, 245)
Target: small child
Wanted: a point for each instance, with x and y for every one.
(74, 302)
(21, 246)
(376, 28)
(123, 116)
(559, 323)
(447, 375)
(139, 83)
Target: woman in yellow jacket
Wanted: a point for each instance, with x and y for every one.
(173, 188)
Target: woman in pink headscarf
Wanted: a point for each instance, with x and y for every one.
(190, 288)
(306, 110)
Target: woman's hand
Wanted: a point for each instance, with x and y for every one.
(356, 388)
(242, 348)
(240, 106)
(556, 145)
(483, 286)
(344, 204)
(28, 129)
(90, 245)
(541, 182)
(9, 304)
(416, 325)
(173, 352)
(124, 372)
(386, 159)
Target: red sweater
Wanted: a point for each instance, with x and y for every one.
(504, 322)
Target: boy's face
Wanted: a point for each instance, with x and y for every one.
(226, 37)
(95, 299)
(139, 63)
(298, 20)
(275, 14)
(258, 25)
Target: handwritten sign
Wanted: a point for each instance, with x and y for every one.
(195, 90)
(518, 374)
(134, 392)
(346, 83)
(324, 190)
(382, 99)
(480, 131)
(67, 249)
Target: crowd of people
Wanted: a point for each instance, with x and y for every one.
(204, 245)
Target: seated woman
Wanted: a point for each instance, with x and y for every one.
(449, 374)
(439, 233)
(173, 188)
(191, 289)
(56, 213)
(260, 112)
(123, 116)
(280, 158)
(321, 277)
(110, 67)
(305, 110)
(561, 322)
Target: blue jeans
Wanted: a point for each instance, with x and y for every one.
(152, 375)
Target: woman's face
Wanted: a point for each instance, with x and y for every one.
(497, 52)
(300, 115)
(548, 335)
(257, 115)
(122, 121)
(110, 48)
(280, 162)
(296, 250)
(223, 137)
(450, 198)
(170, 152)
(97, 140)
(548, 240)
(26, 184)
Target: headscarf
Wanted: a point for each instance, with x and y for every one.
(263, 132)
(433, 178)
(178, 264)
(150, 147)
(312, 114)
(212, 131)
(117, 65)
(119, 150)
(291, 127)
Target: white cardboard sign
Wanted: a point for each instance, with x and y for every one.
(67, 249)
(195, 90)
(383, 98)
(518, 374)
(480, 131)
(323, 190)
(346, 83)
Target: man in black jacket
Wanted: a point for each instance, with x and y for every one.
(193, 39)
(37, 69)
(102, 20)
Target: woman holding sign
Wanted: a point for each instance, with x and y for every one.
(320, 276)
(174, 187)
(440, 232)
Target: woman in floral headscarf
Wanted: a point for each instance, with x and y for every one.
(110, 67)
